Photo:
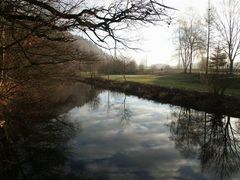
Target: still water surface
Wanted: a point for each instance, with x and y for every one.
(114, 136)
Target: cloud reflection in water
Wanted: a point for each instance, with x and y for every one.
(140, 150)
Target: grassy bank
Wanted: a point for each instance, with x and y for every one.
(186, 98)
(180, 81)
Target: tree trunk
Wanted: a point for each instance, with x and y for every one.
(3, 52)
(231, 67)
(191, 60)
(190, 68)
(185, 70)
(208, 37)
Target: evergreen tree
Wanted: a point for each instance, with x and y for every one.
(218, 59)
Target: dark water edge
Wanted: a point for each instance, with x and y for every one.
(201, 101)
(76, 131)
(32, 129)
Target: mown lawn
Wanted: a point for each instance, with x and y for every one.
(181, 81)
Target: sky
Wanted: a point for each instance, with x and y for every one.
(156, 42)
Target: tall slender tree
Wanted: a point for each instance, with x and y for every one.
(208, 35)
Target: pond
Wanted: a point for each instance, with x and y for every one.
(113, 136)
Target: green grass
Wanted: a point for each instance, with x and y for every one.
(180, 81)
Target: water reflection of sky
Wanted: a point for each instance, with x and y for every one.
(109, 148)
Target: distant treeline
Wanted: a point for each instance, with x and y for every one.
(118, 66)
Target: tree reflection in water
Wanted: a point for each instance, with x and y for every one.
(35, 152)
(31, 145)
(125, 114)
(213, 138)
(94, 102)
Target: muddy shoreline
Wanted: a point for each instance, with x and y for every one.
(192, 99)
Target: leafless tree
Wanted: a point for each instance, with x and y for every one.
(23, 23)
(99, 23)
(228, 25)
(24, 19)
(190, 40)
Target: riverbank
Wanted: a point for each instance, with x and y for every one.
(202, 101)
(192, 82)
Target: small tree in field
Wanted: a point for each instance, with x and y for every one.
(218, 59)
